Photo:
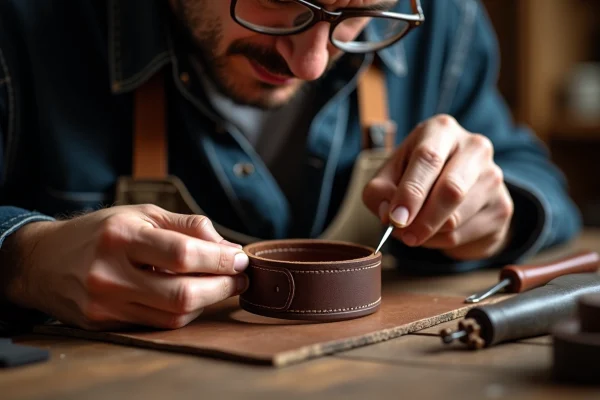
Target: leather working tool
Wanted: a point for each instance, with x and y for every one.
(519, 278)
(312, 279)
(528, 314)
(576, 344)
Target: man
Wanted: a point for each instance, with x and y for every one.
(263, 131)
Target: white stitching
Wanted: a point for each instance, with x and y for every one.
(336, 309)
(335, 271)
(13, 219)
(291, 250)
(326, 311)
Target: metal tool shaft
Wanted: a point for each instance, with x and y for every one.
(477, 297)
(386, 235)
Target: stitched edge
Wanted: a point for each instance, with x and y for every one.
(10, 229)
(332, 310)
(325, 311)
(293, 250)
(290, 283)
(326, 271)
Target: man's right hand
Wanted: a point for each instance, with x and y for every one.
(125, 265)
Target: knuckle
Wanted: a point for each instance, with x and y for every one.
(182, 251)
(150, 209)
(199, 223)
(114, 230)
(505, 210)
(452, 190)
(445, 120)
(453, 222)
(98, 281)
(497, 175)
(226, 289)
(225, 261)
(482, 142)
(414, 190)
(429, 156)
(183, 299)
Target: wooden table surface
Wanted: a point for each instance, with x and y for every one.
(415, 366)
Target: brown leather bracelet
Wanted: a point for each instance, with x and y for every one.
(312, 279)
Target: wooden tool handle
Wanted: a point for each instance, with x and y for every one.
(524, 277)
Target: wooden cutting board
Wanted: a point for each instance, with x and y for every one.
(226, 331)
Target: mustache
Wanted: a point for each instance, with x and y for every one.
(265, 57)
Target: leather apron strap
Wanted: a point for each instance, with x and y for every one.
(377, 128)
(150, 154)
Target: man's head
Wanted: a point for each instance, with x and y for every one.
(255, 68)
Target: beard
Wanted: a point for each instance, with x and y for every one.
(204, 34)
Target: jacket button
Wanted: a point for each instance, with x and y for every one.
(242, 170)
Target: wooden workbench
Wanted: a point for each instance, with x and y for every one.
(416, 366)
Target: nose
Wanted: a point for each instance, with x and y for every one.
(308, 53)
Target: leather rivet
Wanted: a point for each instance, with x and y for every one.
(243, 170)
(185, 78)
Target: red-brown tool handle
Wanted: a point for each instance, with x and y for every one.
(524, 277)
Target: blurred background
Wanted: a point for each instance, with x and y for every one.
(550, 76)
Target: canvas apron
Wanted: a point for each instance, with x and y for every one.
(151, 183)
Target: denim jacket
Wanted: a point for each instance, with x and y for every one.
(68, 71)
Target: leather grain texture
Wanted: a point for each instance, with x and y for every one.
(312, 279)
(228, 332)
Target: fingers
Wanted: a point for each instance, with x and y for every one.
(487, 224)
(180, 253)
(185, 294)
(198, 226)
(181, 294)
(456, 187)
(116, 316)
(427, 158)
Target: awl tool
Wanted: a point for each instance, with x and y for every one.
(529, 314)
(519, 278)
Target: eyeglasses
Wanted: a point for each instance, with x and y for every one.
(290, 17)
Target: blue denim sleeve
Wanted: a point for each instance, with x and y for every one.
(12, 318)
(544, 214)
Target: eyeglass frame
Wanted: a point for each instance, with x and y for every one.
(320, 14)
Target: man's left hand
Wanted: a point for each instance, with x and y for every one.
(442, 190)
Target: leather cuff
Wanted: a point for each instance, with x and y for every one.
(312, 279)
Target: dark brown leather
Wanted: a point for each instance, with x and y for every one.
(312, 279)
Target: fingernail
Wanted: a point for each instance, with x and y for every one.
(241, 283)
(400, 216)
(228, 243)
(240, 262)
(409, 239)
(384, 209)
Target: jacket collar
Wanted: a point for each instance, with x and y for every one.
(137, 40)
